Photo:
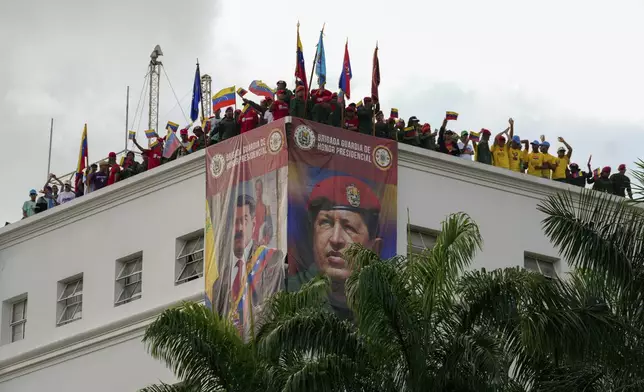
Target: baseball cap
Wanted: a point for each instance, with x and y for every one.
(574, 165)
(281, 81)
(516, 139)
(412, 118)
(104, 163)
(112, 155)
(621, 167)
(33, 192)
(545, 144)
(535, 142)
(67, 183)
(500, 137)
(464, 133)
(561, 149)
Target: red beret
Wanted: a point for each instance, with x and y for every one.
(344, 192)
(485, 131)
(426, 128)
(112, 155)
(184, 131)
(366, 99)
(351, 108)
(606, 169)
(621, 167)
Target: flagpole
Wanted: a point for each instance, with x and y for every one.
(51, 134)
(127, 116)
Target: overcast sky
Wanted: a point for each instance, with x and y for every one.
(571, 69)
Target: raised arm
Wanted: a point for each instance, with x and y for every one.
(138, 145)
(500, 134)
(569, 154)
(511, 122)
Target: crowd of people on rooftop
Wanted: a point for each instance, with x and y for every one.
(505, 149)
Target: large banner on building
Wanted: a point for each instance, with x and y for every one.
(342, 189)
(246, 209)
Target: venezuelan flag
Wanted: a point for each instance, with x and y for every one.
(241, 92)
(597, 172)
(131, 135)
(410, 132)
(82, 159)
(150, 133)
(359, 104)
(225, 97)
(260, 88)
(475, 136)
(171, 126)
(394, 113)
(451, 115)
(300, 69)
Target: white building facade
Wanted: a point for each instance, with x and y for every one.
(79, 283)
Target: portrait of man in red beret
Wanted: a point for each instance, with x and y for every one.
(343, 210)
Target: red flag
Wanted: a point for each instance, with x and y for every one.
(375, 76)
(345, 76)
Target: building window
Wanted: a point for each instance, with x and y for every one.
(129, 274)
(18, 320)
(70, 300)
(544, 265)
(189, 265)
(421, 239)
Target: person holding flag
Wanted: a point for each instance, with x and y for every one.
(82, 164)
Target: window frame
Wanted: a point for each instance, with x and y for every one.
(422, 232)
(538, 260)
(181, 260)
(64, 305)
(22, 323)
(123, 282)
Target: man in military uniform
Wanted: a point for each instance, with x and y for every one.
(342, 211)
(335, 118)
(298, 104)
(427, 139)
(603, 182)
(365, 115)
(227, 127)
(383, 129)
(288, 94)
(621, 182)
(482, 151)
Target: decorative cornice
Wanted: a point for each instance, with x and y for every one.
(83, 343)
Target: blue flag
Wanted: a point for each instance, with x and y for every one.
(196, 96)
(320, 66)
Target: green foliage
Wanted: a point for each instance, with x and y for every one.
(428, 323)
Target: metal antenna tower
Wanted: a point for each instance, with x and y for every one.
(154, 72)
(206, 93)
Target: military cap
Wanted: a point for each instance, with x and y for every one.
(344, 193)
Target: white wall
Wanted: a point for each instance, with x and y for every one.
(149, 212)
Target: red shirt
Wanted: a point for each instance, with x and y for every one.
(351, 122)
(279, 109)
(112, 177)
(249, 120)
(320, 96)
(154, 157)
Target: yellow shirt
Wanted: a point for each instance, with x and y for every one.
(547, 158)
(515, 156)
(500, 156)
(534, 159)
(560, 172)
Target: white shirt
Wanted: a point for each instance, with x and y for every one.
(64, 197)
(246, 257)
(268, 116)
(467, 149)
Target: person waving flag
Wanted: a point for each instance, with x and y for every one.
(345, 76)
(375, 76)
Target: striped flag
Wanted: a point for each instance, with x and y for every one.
(150, 133)
(172, 126)
(451, 115)
(131, 135)
(171, 145)
(475, 136)
(241, 92)
(394, 113)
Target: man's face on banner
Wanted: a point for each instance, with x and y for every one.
(244, 225)
(333, 232)
(259, 190)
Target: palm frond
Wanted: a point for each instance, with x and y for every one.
(179, 387)
(201, 348)
(596, 232)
